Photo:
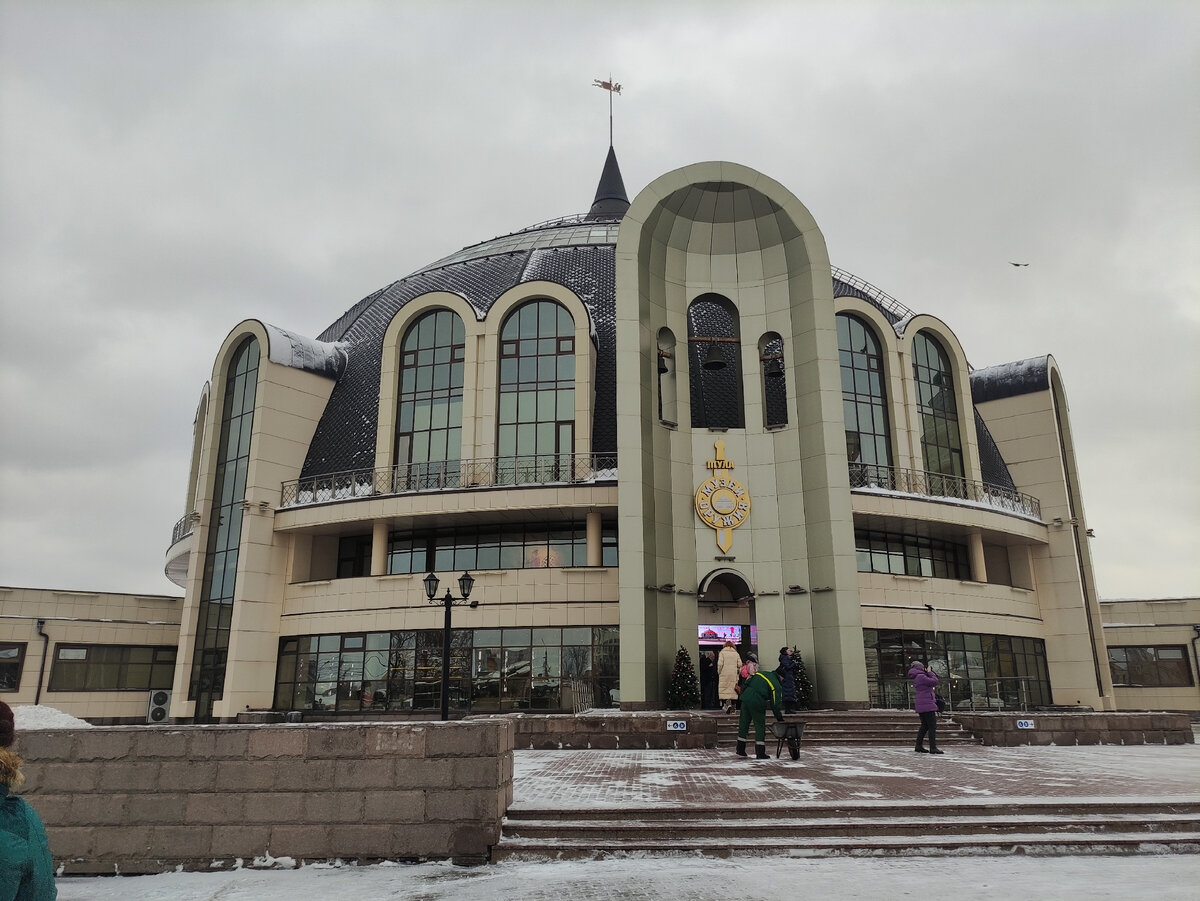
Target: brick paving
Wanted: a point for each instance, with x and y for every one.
(862, 775)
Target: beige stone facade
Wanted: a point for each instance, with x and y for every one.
(1154, 645)
(663, 418)
(89, 654)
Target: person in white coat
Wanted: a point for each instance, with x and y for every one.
(729, 662)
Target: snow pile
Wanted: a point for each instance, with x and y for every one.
(29, 717)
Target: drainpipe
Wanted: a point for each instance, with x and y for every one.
(41, 623)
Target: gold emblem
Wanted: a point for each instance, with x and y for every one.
(722, 502)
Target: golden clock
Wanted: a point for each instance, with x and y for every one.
(722, 502)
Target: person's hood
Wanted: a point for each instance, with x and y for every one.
(10, 768)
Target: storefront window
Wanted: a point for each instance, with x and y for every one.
(490, 670)
(977, 671)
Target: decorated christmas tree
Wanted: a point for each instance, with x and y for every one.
(804, 686)
(684, 691)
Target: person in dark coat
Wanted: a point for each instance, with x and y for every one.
(708, 680)
(762, 690)
(787, 677)
(924, 685)
(26, 867)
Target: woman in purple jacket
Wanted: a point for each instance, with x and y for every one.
(924, 683)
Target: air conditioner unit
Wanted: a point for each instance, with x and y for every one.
(159, 707)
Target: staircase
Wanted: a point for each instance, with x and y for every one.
(841, 728)
(859, 829)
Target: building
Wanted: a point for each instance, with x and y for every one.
(1153, 652)
(98, 656)
(657, 424)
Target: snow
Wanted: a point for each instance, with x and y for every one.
(1162, 877)
(42, 717)
(298, 352)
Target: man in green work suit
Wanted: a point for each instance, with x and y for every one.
(762, 690)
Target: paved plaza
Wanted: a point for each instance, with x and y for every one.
(822, 775)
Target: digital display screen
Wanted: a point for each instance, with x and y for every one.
(720, 634)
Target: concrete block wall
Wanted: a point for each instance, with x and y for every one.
(151, 799)
(1146, 728)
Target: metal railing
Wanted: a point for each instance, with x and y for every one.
(881, 298)
(489, 472)
(582, 697)
(937, 485)
(183, 528)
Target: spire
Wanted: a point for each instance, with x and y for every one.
(611, 200)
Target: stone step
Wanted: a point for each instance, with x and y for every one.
(1037, 844)
(600, 833)
(1103, 826)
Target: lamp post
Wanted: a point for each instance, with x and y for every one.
(465, 583)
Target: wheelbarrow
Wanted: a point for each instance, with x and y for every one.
(789, 734)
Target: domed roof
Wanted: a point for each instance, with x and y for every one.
(578, 252)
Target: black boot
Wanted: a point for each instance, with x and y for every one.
(920, 749)
(934, 750)
(741, 748)
(760, 752)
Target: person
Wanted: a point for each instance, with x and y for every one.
(924, 684)
(26, 867)
(762, 690)
(787, 676)
(708, 680)
(750, 667)
(728, 664)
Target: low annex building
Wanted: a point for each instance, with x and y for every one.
(660, 423)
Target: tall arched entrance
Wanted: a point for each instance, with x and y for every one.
(725, 611)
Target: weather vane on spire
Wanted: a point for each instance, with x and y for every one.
(613, 88)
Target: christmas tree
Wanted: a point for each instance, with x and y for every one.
(684, 690)
(804, 686)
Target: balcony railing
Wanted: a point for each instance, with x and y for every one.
(183, 528)
(866, 476)
(490, 472)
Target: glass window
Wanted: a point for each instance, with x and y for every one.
(1166, 666)
(536, 424)
(428, 442)
(938, 410)
(912, 555)
(207, 682)
(715, 363)
(864, 403)
(112, 668)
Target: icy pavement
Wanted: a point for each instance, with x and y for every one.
(1164, 878)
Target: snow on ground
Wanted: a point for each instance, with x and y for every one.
(1162, 878)
(28, 716)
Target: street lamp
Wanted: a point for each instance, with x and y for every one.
(465, 583)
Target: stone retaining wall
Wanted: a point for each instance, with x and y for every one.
(150, 799)
(624, 731)
(1004, 729)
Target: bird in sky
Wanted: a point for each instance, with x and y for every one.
(1011, 263)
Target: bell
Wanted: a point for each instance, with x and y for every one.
(714, 360)
(774, 368)
(663, 369)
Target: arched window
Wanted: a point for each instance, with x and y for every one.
(715, 364)
(667, 384)
(774, 385)
(536, 424)
(941, 444)
(864, 403)
(215, 610)
(429, 408)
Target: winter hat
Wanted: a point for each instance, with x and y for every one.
(917, 663)
(8, 729)
(753, 657)
(783, 650)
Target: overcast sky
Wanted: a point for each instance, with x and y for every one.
(169, 169)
